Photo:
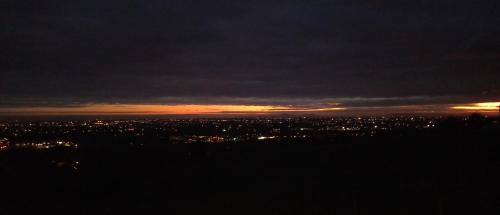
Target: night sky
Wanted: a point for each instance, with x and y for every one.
(299, 55)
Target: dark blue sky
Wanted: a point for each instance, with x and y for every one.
(63, 53)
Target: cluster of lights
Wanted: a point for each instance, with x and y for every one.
(266, 137)
(4, 144)
(47, 145)
(237, 130)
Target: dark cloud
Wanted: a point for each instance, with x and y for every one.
(72, 52)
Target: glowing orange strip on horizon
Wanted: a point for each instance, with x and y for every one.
(143, 109)
(485, 106)
(125, 109)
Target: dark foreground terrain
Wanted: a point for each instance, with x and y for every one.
(447, 170)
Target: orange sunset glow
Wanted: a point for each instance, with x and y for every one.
(212, 109)
(480, 107)
(140, 109)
